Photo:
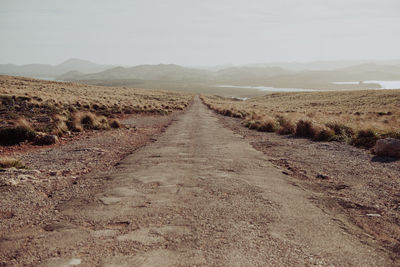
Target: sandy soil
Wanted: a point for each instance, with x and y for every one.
(199, 195)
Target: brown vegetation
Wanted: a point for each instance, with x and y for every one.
(30, 106)
(359, 118)
(11, 163)
(115, 124)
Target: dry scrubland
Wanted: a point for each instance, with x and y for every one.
(31, 108)
(357, 117)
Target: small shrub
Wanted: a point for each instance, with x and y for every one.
(252, 124)
(88, 120)
(11, 163)
(262, 124)
(102, 123)
(74, 124)
(324, 134)
(14, 135)
(227, 112)
(44, 140)
(60, 125)
(365, 139)
(115, 124)
(304, 128)
(285, 126)
(268, 124)
(343, 133)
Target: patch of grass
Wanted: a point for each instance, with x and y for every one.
(345, 111)
(322, 116)
(286, 127)
(115, 124)
(268, 124)
(324, 134)
(305, 128)
(14, 135)
(37, 99)
(342, 132)
(261, 123)
(391, 134)
(60, 125)
(365, 138)
(11, 163)
(88, 121)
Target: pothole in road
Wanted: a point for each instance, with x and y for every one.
(6, 214)
(104, 233)
(143, 236)
(110, 200)
(118, 225)
(153, 235)
(124, 192)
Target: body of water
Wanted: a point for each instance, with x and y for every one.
(383, 84)
(269, 89)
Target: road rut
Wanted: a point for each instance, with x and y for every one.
(199, 195)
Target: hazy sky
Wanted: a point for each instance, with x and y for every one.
(198, 32)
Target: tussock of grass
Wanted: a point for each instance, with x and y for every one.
(365, 139)
(115, 124)
(261, 123)
(342, 132)
(11, 163)
(286, 127)
(21, 132)
(87, 121)
(60, 125)
(304, 128)
(324, 134)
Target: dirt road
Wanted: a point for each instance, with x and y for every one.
(199, 195)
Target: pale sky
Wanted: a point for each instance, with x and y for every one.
(198, 32)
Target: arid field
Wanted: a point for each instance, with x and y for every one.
(30, 107)
(324, 116)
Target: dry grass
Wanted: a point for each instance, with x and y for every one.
(115, 124)
(87, 121)
(21, 131)
(58, 107)
(261, 123)
(11, 163)
(324, 116)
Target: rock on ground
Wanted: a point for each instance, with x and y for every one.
(388, 147)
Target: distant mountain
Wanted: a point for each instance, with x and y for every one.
(162, 72)
(80, 65)
(175, 77)
(52, 71)
(248, 75)
(170, 72)
(372, 67)
(70, 75)
(323, 65)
